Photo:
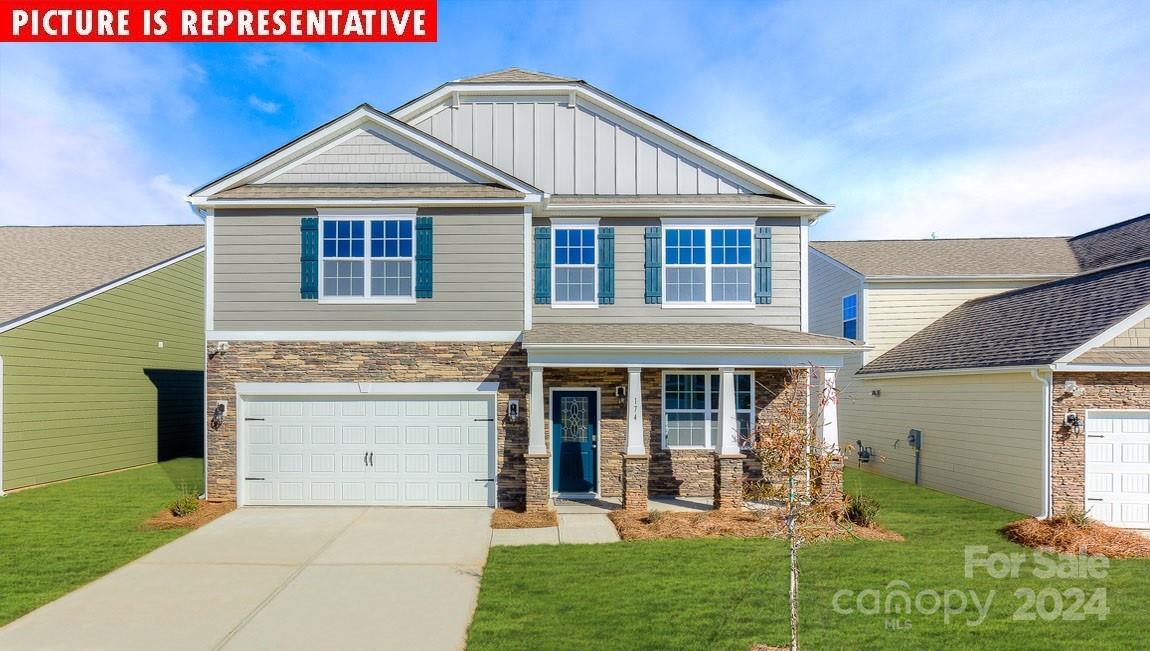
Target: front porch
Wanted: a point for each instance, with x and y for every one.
(671, 422)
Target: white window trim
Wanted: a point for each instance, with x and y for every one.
(843, 314)
(710, 439)
(558, 224)
(366, 216)
(708, 266)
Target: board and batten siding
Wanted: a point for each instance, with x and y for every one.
(982, 434)
(630, 307)
(478, 276)
(88, 389)
(1138, 336)
(564, 149)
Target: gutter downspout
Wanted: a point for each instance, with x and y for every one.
(1046, 377)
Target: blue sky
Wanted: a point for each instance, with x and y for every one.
(957, 119)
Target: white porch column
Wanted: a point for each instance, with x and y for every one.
(728, 434)
(536, 442)
(636, 444)
(829, 424)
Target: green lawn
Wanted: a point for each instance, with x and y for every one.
(728, 594)
(56, 538)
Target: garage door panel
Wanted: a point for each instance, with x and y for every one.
(425, 451)
(1118, 467)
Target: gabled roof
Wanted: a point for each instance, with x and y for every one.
(362, 115)
(42, 266)
(1033, 326)
(513, 75)
(1114, 244)
(369, 191)
(1008, 256)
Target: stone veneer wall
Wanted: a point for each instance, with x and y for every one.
(1068, 453)
(251, 361)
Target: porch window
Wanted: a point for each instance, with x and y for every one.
(691, 409)
(708, 265)
(575, 266)
(368, 259)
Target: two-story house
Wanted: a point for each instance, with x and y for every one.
(1022, 363)
(511, 288)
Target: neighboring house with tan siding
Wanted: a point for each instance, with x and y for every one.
(513, 288)
(987, 366)
(101, 349)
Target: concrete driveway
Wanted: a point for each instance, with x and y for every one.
(283, 578)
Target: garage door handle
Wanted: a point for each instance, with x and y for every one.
(254, 479)
(365, 458)
(253, 419)
(485, 420)
(1093, 499)
(1095, 436)
(372, 459)
(492, 479)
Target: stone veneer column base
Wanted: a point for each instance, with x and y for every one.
(636, 469)
(538, 486)
(831, 485)
(728, 484)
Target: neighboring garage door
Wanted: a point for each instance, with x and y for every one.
(1118, 467)
(402, 451)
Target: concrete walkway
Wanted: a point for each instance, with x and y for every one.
(282, 578)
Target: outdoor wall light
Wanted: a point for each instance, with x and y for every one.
(513, 410)
(1074, 422)
(220, 348)
(621, 394)
(1071, 387)
(218, 413)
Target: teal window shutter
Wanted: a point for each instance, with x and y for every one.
(309, 258)
(763, 265)
(423, 266)
(607, 265)
(542, 265)
(653, 265)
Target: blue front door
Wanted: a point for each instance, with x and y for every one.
(574, 436)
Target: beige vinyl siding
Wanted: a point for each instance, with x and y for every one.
(88, 389)
(830, 282)
(896, 310)
(1138, 336)
(629, 306)
(477, 262)
(982, 434)
(366, 157)
(563, 149)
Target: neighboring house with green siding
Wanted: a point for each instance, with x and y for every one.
(101, 349)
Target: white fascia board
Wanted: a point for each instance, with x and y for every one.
(365, 388)
(364, 335)
(689, 358)
(955, 371)
(1106, 335)
(986, 278)
(660, 210)
(745, 222)
(585, 93)
(1101, 368)
(205, 202)
(97, 291)
(353, 120)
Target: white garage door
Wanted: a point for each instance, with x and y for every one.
(1118, 467)
(403, 451)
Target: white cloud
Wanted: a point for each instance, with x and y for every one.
(264, 106)
(71, 152)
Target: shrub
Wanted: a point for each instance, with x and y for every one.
(862, 509)
(1075, 516)
(183, 505)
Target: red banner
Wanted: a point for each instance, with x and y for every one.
(200, 20)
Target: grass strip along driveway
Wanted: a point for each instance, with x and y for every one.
(730, 594)
(56, 538)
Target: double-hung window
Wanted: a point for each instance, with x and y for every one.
(368, 259)
(574, 266)
(708, 264)
(691, 409)
(851, 316)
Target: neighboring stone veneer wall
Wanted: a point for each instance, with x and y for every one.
(247, 361)
(1103, 391)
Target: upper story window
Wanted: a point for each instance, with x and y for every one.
(691, 409)
(368, 259)
(708, 264)
(574, 266)
(851, 316)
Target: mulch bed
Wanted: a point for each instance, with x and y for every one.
(509, 519)
(735, 524)
(1062, 535)
(207, 512)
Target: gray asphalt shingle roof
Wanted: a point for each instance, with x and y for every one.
(676, 334)
(1035, 325)
(514, 75)
(41, 266)
(1114, 244)
(1008, 256)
